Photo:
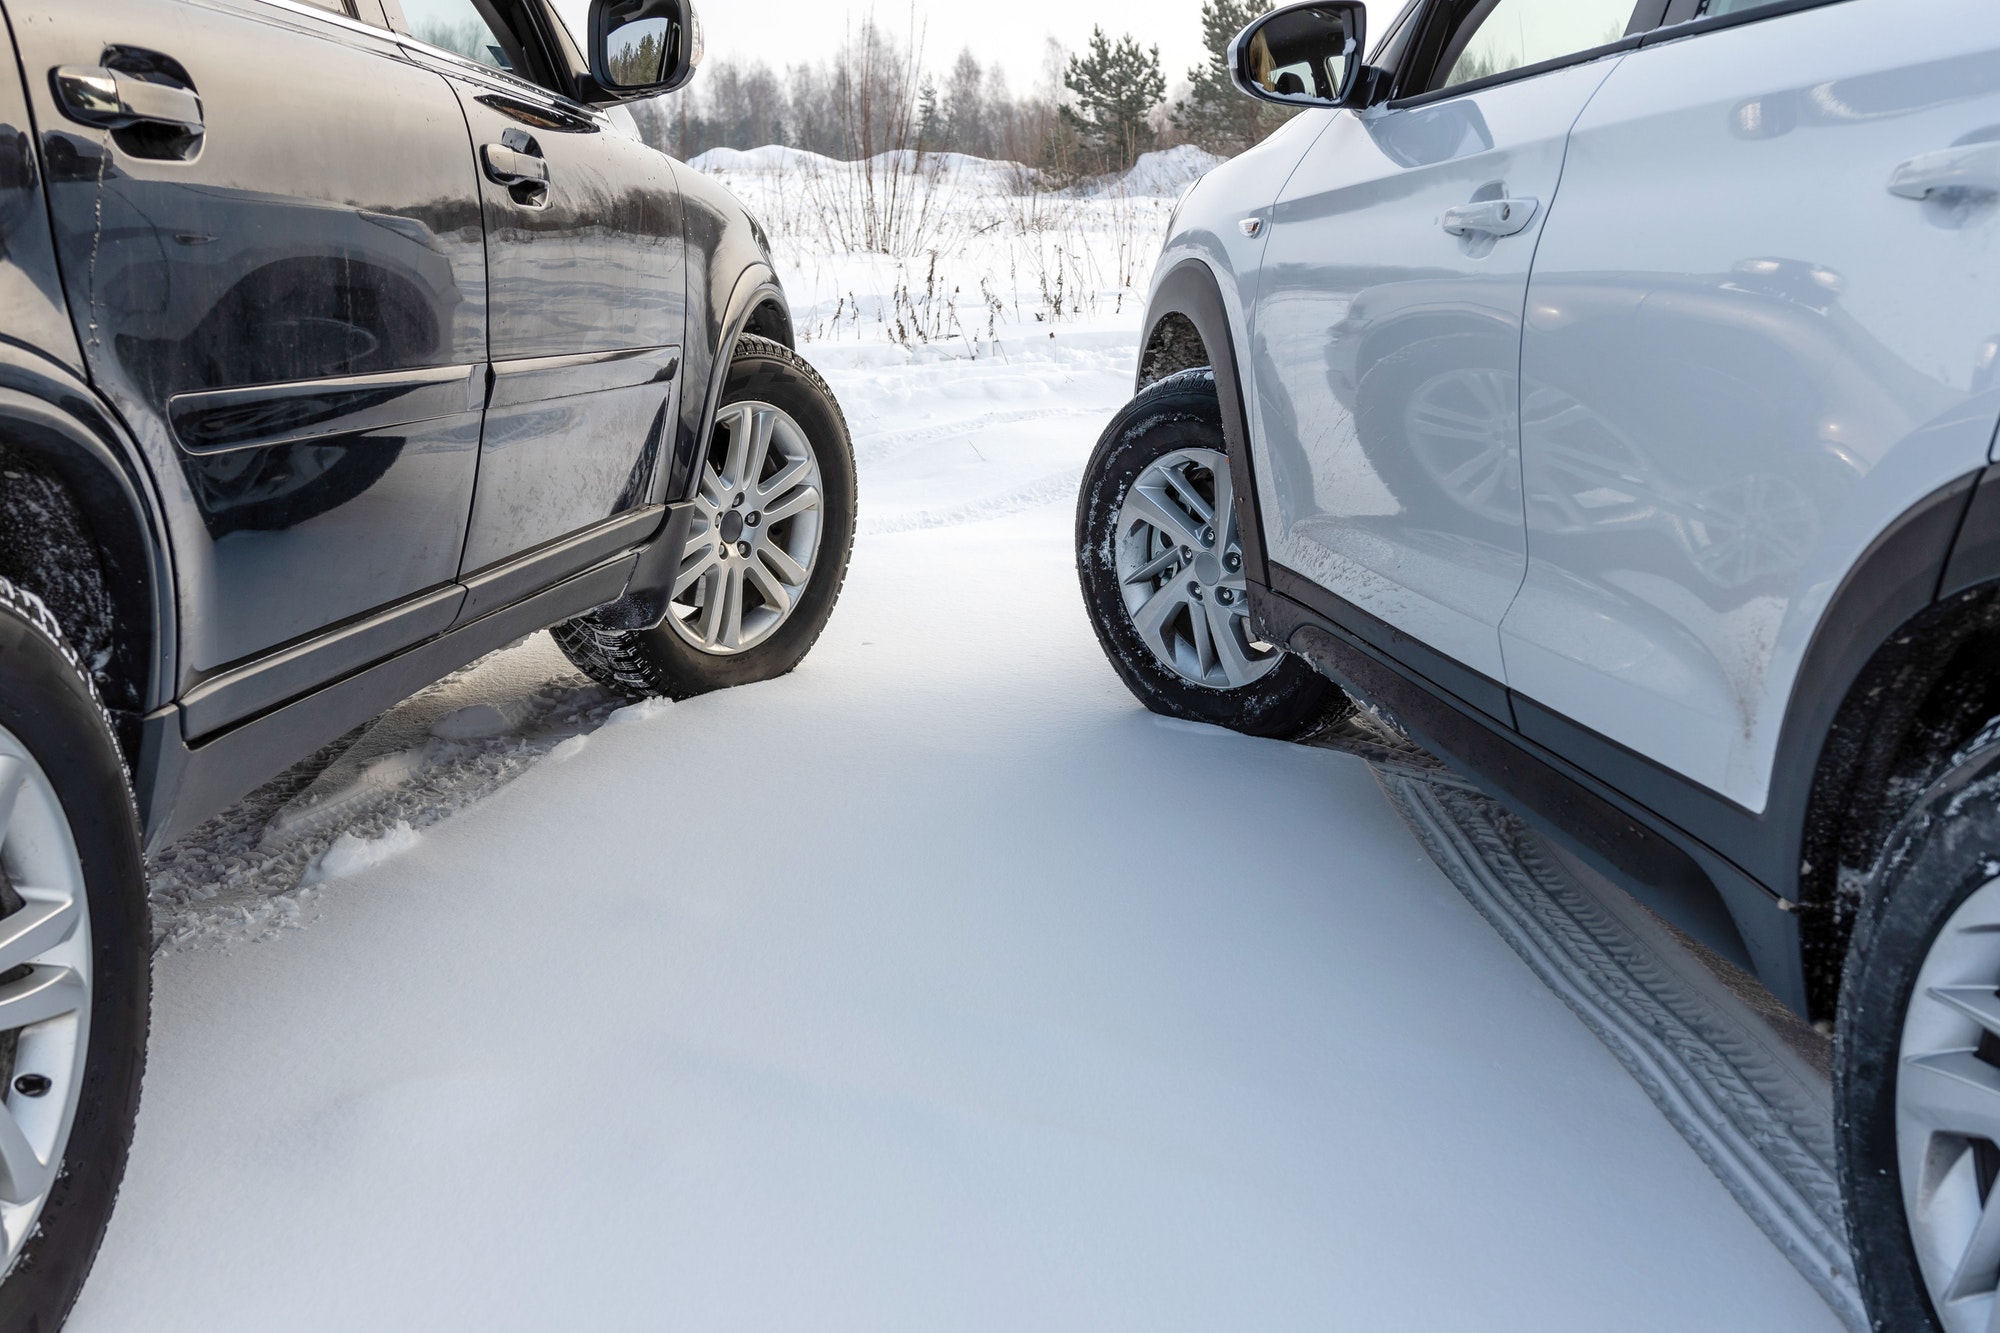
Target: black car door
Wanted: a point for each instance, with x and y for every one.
(270, 237)
(587, 296)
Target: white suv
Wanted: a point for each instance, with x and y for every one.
(1606, 392)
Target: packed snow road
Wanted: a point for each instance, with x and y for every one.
(935, 986)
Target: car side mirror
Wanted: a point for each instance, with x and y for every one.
(1301, 55)
(642, 47)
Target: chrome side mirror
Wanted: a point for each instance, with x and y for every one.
(1301, 55)
(642, 47)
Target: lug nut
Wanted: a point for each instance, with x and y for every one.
(33, 1085)
(1194, 591)
(753, 518)
(1208, 536)
(1225, 596)
(743, 549)
(1187, 555)
(737, 503)
(1232, 561)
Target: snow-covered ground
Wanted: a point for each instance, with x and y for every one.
(934, 986)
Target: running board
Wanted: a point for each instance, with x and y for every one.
(1745, 1082)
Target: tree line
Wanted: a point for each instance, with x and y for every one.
(1091, 112)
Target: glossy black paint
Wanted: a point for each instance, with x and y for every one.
(585, 259)
(278, 250)
(248, 342)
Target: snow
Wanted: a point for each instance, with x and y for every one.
(934, 986)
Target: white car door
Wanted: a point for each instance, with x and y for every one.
(1761, 313)
(1386, 340)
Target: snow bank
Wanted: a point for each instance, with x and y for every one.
(1169, 171)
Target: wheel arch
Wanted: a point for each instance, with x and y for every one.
(1904, 669)
(756, 305)
(66, 469)
(1187, 318)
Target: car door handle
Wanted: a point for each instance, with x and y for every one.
(94, 95)
(510, 166)
(1496, 217)
(1972, 166)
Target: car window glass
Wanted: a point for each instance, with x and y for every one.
(340, 7)
(1715, 7)
(458, 26)
(1503, 35)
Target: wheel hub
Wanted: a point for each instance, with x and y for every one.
(750, 558)
(1180, 569)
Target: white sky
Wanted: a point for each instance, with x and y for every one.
(1013, 32)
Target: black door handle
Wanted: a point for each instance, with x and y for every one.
(148, 119)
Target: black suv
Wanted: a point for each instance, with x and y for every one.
(345, 341)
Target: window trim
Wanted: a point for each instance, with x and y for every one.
(1643, 12)
(1695, 27)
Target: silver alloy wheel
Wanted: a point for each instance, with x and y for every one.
(44, 989)
(1948, 1114)
(757, 531)
(1179, 559)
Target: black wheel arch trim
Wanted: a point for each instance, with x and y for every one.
(50, 414)
(1191, 291)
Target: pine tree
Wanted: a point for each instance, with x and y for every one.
(1116, 88)
(930, 116)
(1214, 114)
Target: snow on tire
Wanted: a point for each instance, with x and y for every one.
(1160, 560)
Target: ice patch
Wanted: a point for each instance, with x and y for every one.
(480, 722)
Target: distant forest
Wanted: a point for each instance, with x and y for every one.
(1089, 112)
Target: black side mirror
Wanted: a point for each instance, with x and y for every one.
(642, 47)
(1301, 55)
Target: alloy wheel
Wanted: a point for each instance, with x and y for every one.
(1179, 559)
(1948, 1115)
(757, 532)
(45, 989)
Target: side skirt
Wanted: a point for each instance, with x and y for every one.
(1663, 866)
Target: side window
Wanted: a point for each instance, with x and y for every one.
(466, 28)
(1502, 35)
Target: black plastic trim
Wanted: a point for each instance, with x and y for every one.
(1975, 555)
(493, 587)
(544, 378)
(1681, 21)
(1584, 57)
(1190, 290)
(269, 414)
(233, 695)
(180, 785)
(1469, 687)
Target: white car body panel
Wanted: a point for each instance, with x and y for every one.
(1744, 358)
(1384, 354)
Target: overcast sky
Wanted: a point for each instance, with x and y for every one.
(784, 32)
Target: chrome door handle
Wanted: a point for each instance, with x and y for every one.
(509, 166)
(1495, 217)
(93, 95)
(1972, 166)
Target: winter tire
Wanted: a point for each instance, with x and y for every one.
(1161, 563)
(765, 562)
(75, 979)
(1917, 1072)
